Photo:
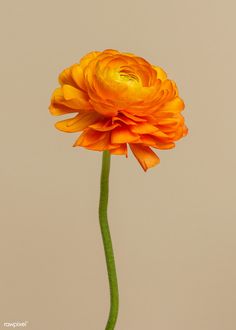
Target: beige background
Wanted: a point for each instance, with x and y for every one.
(173, 228)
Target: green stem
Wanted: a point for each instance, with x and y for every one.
(107, 243)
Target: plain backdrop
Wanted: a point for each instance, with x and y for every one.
(173, 227)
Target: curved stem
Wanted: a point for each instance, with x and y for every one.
(107, 243)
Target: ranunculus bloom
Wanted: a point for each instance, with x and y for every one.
(120, 99)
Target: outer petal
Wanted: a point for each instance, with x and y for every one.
(174, 106)
(104, 126)
(144, 128)
(65, 77)
(134, 117)
(122, 150)
(101, 145)
(56, 108)
(123, 119)
(123, 135)
(60, 109)
(85, 60)
(75, 98)
(89, 137)
(78, 76)
(78, 123)
(145, 156)
(95, 140)
(70, 97)
(104, 108)
(160, 73)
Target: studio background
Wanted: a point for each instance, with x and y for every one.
(173, 227)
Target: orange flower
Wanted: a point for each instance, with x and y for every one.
(120, 99)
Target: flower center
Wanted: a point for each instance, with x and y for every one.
(129, 76)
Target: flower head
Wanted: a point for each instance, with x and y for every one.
(119, 99)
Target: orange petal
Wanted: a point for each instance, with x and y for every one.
(95, 140)
(105, 109)
(161, 135)
(148, 140)
(89, 137)
(176, 105)
(123, 135)
(133, 117)
(70, 92)
(66, 77)
(122, 150)
(78, 76)
(123, 119)
(145, 156)
(57, 107)
(86, 59)
(160, 73)
(78, 123)
(70, 97)
(159, 143)
(144, 128)
(103, 126)
(164, 146)
(101, 145)
(60, 109)
(75, 97)
(168, 121)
